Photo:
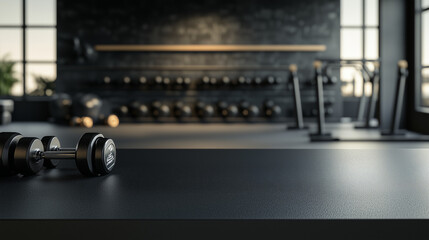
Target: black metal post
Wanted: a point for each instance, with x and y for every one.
(399, 98)
(362, 102)
(24, 58)
(299, 120)
(374, 78)
(321, 134)
(320, 100)
(374, 96)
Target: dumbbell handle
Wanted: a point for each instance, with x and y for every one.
(62, 153)
(59, 154)
(63, 149)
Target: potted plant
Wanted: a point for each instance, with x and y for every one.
(7, 76)
(45, 86)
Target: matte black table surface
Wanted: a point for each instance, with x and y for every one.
(230, 184)
(213, 136)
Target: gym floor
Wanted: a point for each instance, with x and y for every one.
(216, 136)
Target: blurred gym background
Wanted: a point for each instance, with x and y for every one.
(218, 74)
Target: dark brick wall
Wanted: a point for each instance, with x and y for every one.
(202, 22)
(194, 22)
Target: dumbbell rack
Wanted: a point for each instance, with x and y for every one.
(120, 93)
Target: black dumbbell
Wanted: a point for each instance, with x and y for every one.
(204, 110)
(253, 111)
(94, 155)
(106, 81)
(87, 105)
(272, 109)
(332, 80)
(226, 81)
(160, 110)
(249, 110)
(110, 120)
(257, 81)
(60, 107)
(87, 122)
(227, 110)
(122, 111)
(241, 80)
(232, 111)
(126, 81)
(8, 141)
(187, 81)
(158, 81)
(328, 77)
(270, 80)
(166, 82)
(205, 81)
(181, 82)
(143, 81)
(182, 110)
(325, 80)
(329, 111)
(138, 109)
(221, 106)
(213, 81)
(244, 81)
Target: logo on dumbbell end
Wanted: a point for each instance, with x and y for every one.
(110, 159)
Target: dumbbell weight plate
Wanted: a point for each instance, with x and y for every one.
(85, 153)
(112, 121)
(51, 143)
(104, 156)
(8, 141)
(87, 105)
(232, 111)
(25, 150)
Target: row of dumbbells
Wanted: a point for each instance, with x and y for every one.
(186, 82)
(200, 109)
(81, 110)
(94, 154)
(110, 120)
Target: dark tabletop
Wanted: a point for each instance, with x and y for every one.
(230, 184)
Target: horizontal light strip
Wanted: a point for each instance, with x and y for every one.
(28, 26)
(361, 26)
(212, 48)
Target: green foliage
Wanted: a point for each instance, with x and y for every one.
(7, 78)
(45, 86)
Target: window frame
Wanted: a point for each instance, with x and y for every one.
(24, 27)
(418, 57)
(417, 115)
(364, 60)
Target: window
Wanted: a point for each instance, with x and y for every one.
(424, 61)
(359, 41)
(28, 38)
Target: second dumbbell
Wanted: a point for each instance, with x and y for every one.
(94, 155)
